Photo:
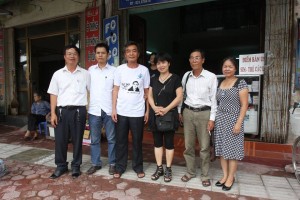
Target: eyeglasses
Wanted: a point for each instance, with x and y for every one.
(72, 54)
(197, 58)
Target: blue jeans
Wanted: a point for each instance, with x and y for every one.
(96, 123)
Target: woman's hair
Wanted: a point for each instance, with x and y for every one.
(37, 93)
(232, 60)
(162, 56)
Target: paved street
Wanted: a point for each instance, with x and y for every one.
(30, 164)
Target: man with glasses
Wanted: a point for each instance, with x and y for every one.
(198, 115)
(68, 100)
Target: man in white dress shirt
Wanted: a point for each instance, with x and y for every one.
(100, 106)
(68, 100)
(198, 115)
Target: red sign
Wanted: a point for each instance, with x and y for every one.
(92, 34)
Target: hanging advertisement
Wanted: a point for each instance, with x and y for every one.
(123, 4)
(111, 35)
(2, 73)
(252, 64)
(92, 34)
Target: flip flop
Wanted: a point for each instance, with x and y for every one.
(206, 183)
(185, 178)
(140, 174)
(117, 175)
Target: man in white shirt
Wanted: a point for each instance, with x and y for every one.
(68, 100)
(128, 109)
(198, 116)
(100, 106)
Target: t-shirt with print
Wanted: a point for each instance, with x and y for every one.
(131, 82)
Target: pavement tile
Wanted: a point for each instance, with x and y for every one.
(253, 190)
(278, 182)
(11, 195)
(45, 193)
(281, 193)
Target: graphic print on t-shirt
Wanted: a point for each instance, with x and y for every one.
(134, 88)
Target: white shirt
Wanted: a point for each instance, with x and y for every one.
(70, 87)
(201, 91)
(131, 82)
(102, 83)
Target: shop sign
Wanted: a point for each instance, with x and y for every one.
(252, 64)
(92, 34)
(123, 4)
(2, 74)
(111, 35)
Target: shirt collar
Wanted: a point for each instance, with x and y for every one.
(77, 69)
(203, 73)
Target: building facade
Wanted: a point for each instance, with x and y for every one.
(34, 33)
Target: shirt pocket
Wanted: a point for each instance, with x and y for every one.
(81, 86)
(109, 84)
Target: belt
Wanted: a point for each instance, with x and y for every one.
(70, 107)
(204, 108)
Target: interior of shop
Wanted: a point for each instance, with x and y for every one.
(221, 28)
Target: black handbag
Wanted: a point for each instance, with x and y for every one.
(166, 122)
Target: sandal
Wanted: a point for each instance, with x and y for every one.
(117, 175)
(186, 178)
(159, 172)
(27, 136)
(206, 183)
(140, 174)
(168, 174)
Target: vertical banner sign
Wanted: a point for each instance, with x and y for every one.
(111, 35)
(2, 73)
(92, 34)
(252, 64)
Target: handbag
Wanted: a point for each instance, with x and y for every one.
(166, 122)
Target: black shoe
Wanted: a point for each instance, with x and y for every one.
(219, 184)
(76, 172)
(93, 169)
(225, 188)
(58, 172)
(112, 169)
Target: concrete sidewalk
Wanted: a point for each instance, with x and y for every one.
(31, 163)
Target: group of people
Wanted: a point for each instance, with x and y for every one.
(125, 98)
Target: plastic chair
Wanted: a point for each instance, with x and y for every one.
(43, 125)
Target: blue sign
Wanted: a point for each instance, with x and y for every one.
(135, 3)
(111, 35)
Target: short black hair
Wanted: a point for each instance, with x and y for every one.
(232, 60)
(102, 44)
(200, 51)
(162, 56)
(71, 46)
(129, 43)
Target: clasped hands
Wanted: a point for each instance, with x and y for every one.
(161, 111)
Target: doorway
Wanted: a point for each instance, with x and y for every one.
(46, 58)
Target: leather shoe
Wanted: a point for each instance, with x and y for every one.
(227, 188)
(58, 172)
(112, 169)
(219, 184)
(93, 169)
(76, 172)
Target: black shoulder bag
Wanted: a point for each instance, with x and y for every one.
(167, 121)
(184, 92)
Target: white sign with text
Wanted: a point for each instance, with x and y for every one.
(252, 63)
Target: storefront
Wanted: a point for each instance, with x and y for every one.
(221, 28)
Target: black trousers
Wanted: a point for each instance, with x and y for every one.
(34, 120)
(136, 126)
(71, 122)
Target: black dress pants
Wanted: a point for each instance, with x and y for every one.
(71, 122)
(34, 120)
(136, 126)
